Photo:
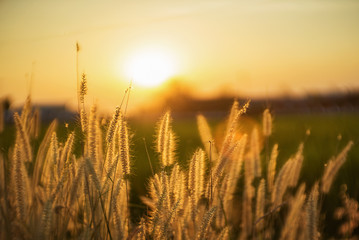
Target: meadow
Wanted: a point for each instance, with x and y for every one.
(240, 177)
(328, 133)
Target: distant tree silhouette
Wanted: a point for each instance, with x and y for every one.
(6, 103)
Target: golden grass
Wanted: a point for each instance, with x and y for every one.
(64, 196)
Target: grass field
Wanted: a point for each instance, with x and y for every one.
(323, 135)
(288, 131)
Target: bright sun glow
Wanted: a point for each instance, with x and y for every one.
(150, 69)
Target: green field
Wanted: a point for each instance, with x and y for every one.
(288, 132)
(329, 133)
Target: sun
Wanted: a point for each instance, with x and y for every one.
(150, 68)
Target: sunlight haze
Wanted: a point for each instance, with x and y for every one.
(150, 68)
(252, 48)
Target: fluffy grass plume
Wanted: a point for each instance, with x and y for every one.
(90, 170)
(296, 167)
(255, 153)
(272, 167)
(124, 146)
(311, 211)
(291, 224)
(196, 179)
(333, 167)
(207, 219)
(235, 167)
(20, 184)
(83, 120)
(67, 150)
(206, 137)
(46, 221)
(112, 126)
(260, 204)
(177, 186)
(52, 165)
(232, 127)
(92, 137)
(83, 88)
(281, 183)
(120, 210)
(26, 112)
(267, 123)
(23, 137)
(42, 154)
(88, 195)
(34, 126)
(247, 211)
(165, 145)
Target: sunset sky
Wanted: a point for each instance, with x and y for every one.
(256, 48)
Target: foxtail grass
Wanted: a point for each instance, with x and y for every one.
(220, 194)
(272, 167)
(20, 183)
(166, 140)
(333, 167)
(206, 137)
(23, 138)
(267, 123)
(311, 211)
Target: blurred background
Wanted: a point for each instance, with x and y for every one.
(298, 58)
(212, 48)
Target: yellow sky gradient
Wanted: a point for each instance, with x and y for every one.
(243, 47)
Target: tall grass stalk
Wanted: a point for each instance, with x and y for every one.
(23, 138)
(333, 167)
(215, 195)
(78, 76)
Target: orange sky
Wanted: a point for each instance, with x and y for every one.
(244, 47)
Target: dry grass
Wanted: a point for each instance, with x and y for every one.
(56, 195)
